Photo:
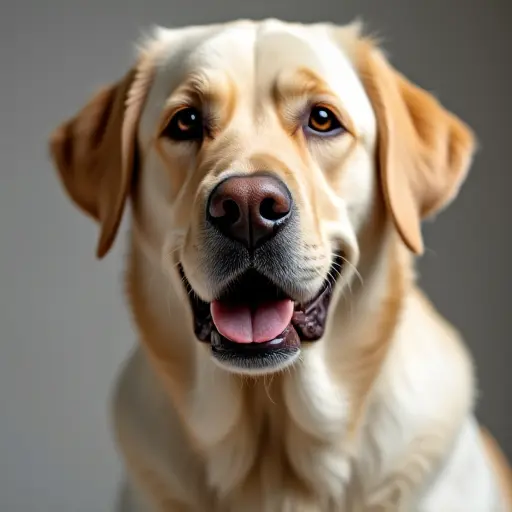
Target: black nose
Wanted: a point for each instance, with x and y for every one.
(250, 208)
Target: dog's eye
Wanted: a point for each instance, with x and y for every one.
(186, 124)
(322, 120)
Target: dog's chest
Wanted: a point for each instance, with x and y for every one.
(269, 459)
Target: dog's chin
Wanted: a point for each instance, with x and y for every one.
(254, 327)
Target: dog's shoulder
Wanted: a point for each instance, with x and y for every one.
(428, 375)
(466, 480)
(421, 401)
(421, 421)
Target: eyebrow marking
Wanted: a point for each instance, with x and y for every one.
(214, 93)
(304, 84)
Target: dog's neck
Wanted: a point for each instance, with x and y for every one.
(317, 405)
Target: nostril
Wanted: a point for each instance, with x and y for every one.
(273, 210)
(267, 209)
(224, 209)
(231, 211)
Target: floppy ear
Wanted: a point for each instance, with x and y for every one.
(424, 151)
(95, 152)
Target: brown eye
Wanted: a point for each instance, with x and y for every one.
(323, 121)
(185, 125)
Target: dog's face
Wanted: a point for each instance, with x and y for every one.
(262, 147)
(254, 146)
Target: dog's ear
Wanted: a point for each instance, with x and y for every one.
(95, 152)
(424, 151)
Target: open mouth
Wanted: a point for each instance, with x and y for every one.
(255, 326)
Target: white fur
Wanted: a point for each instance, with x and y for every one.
(419, 431)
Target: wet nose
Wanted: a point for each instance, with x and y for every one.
(250, 209)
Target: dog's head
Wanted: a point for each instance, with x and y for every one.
(255, 154)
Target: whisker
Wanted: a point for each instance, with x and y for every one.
(351, 265)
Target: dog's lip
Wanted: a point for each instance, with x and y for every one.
(256, 358)
(308, 320)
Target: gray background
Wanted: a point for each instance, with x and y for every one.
(64, 329)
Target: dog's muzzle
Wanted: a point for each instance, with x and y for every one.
(256, 322)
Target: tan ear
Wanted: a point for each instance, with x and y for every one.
(95, 152)
(424, 151)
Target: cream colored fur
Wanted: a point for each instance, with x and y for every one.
(376, 416)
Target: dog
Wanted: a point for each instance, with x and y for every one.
(278, 175)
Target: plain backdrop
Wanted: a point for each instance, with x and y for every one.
(63, 325)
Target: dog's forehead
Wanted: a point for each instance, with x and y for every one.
(262, 49)
(254, 54)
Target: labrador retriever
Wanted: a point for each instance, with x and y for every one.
(278, 175)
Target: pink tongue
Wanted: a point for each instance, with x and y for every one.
(242, 324)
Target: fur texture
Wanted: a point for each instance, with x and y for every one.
(378, 414)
